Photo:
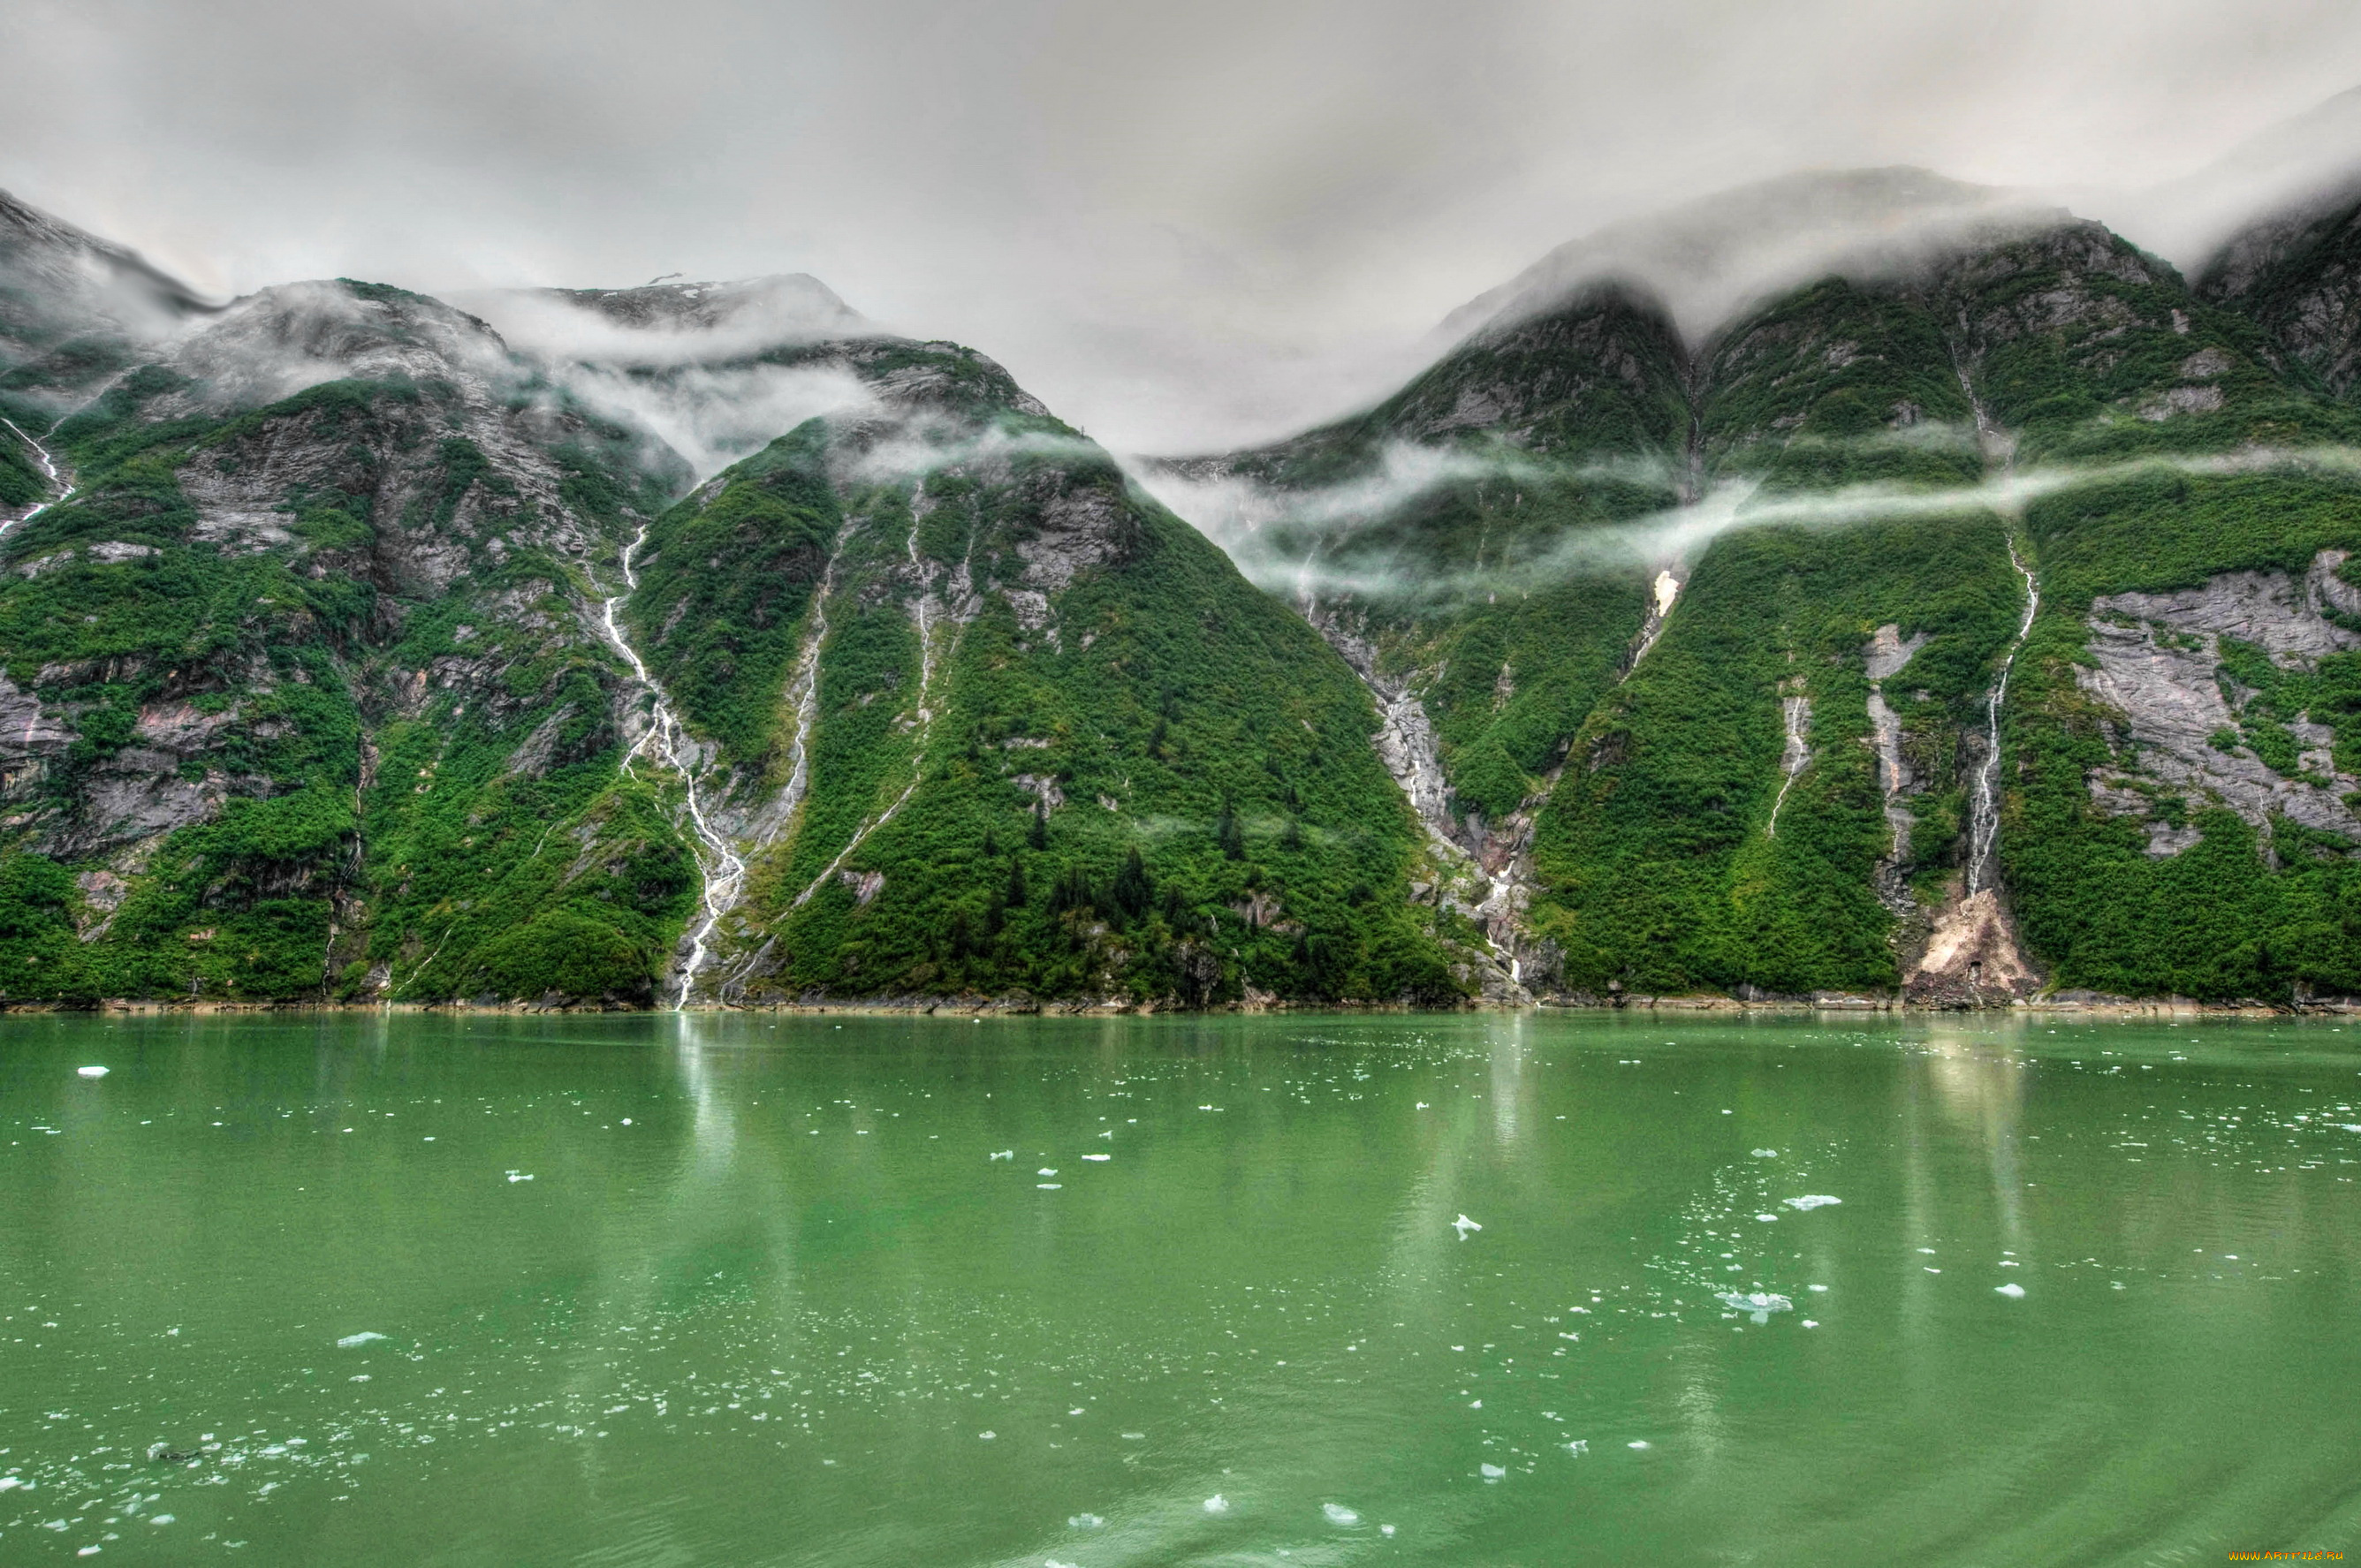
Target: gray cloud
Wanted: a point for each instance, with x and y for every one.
(1182, 226)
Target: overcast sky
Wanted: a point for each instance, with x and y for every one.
(1182, 225)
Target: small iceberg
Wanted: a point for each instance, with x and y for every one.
(1493, 1472)
(1637, 1442)
(1811, 1200)
(10, 1483)
(1463, 1226)
(1050, 1186)
(366, 1337)
(1005, 1154)
(1045, 1171)
(2014, 1292)
(516, 1176)
(1760, 1304)
(1217, 1504)
(1339, 1514)
(1098, 1157)
(93, 1071)
(1084, 1521)
(1765, 1153)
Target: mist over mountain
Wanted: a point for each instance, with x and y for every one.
(1866, 586)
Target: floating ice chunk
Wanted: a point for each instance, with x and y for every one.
(2014, 1292)
(1054, 1563)
(1084, 1521)
(1811, 1200)
(1421, 1105)
(1810, 1324)
(1760, 1303)
(1821, 1288)
(1135, 1437)
(1217, 1504)
(1108, 1134)
(1493, 1472)
(1765, 1154)
(1766, 1217)
(2350, 1127)
(1578, 1447)
(1045, 1171)
(1463, 1226)
(1385, 1529)
(517, 1175)
(1637, 1442)
(1339, 1514)
(10, 1483)
(367, 1336)
(1050, 1186)
(160, 1519)
(1005, 1154)
(988, 1436)
(1099, 1157)
(91, 1071)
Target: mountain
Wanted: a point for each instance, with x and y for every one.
(1707, 639)
(370, 656)
(1862, 586)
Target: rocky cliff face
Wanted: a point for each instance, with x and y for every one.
(2297, 274)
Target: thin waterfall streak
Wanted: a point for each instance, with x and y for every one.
(721, 868)
(1984, 829)
(1983, 821)
(49, 469)
(1796, 712)
(926, 717)
(804, 687)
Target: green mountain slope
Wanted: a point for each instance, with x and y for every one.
(1790, 787)
(368, 659)
(986, 722)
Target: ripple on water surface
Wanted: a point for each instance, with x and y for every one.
(1105, 1292)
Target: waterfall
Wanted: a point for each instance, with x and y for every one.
(48, 467)
(1796, 711)
(1983, 829)
(721, 868)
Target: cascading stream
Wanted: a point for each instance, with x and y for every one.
(1983, 829)
(722, 869)
(55, 474)
(1984, 818)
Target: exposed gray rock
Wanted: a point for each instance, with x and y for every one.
(1888, 652)
(2156, 662)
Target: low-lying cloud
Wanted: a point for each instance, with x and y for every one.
(1303, 545)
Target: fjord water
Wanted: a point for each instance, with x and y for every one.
(755, 1289)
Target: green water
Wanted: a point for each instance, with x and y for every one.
(743, 1290)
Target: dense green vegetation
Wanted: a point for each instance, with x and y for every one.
(1662, 868)
(1113, 768)
(311, 699)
